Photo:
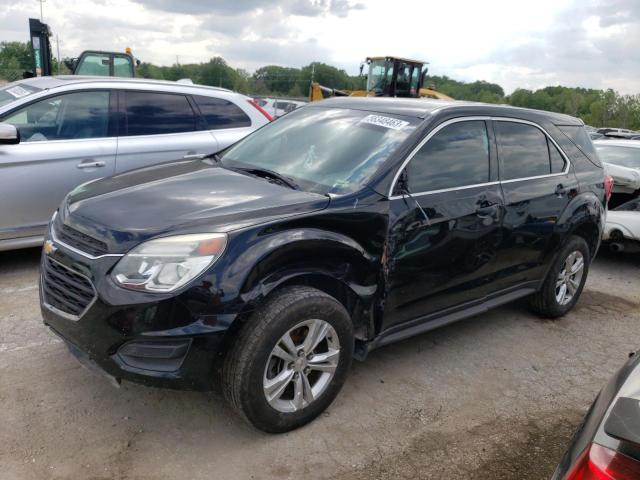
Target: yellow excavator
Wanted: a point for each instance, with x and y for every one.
(387, 77)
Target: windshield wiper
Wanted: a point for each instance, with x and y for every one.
(270, 174)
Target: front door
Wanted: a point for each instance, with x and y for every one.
(65, 141)
(445, 224)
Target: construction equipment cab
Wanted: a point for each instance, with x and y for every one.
(387, 77)
(394, 77)
(107, 64)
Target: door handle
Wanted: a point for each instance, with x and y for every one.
(96, 164)
(194, 156)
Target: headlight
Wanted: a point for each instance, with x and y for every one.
(166, 264)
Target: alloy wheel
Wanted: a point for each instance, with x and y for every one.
(570, 277)
(301, 365)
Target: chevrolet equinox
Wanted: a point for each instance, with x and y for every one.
(341, 227)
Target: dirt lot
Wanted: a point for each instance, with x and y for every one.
(493, 397)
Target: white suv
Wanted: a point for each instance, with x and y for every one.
(71, 130)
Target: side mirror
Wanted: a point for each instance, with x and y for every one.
(9, 134)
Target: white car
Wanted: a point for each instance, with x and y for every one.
(59, 132)
(622, 230)
(621, 160)
(276, 107)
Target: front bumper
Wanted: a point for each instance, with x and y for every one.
(159, 340)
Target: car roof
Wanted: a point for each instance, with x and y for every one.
(61, 80)
(422, 108)
(618, 143)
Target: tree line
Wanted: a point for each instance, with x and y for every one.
(598, 108)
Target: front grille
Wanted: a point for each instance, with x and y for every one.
(64, 289)
(79, 240)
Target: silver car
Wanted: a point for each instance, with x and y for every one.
(59, 132)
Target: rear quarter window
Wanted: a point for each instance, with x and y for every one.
(220, 113)
(581, 139)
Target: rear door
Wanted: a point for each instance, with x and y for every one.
(538, 184)
(444, 236)
(158, 127)
(226, 121)
(66, 140)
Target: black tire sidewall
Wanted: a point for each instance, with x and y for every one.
(254, 404)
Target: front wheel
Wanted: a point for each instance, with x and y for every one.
(290, 359)
(565, 281)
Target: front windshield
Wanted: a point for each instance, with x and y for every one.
(623, 156)
(380, 76)
(323, 150)
(14, 91)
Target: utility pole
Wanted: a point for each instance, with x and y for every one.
(41, 2)
(58, 49)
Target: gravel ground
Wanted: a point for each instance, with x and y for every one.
(493, 397)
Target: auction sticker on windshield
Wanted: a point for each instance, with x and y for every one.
(386, 122)
(17, 91)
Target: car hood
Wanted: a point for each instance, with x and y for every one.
(177, 198)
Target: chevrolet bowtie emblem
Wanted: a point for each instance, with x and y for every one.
(49, 247)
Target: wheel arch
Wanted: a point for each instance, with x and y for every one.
(585, 217)
(329, 261)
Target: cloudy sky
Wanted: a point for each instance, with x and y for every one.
(516, 43)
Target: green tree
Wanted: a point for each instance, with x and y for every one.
(15, 56)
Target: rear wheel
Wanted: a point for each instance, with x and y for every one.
(565, 281)
(290, 359)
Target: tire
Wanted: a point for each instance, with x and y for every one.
(548, 301)
(254, 365)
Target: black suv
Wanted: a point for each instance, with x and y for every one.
(341, 227)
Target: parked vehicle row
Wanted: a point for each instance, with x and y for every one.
(70, 130)
(343, 226)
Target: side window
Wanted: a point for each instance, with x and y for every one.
(94, 64)
(150, 113)
(415, 80)
(456, 156)
(557, 161)
(220, 113)
(631, 206)
(523, 150)
(64, 117)
(122, 66)
(403, 80)
(579, 136)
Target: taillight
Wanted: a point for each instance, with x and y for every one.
(600, 463)
(608, 187)
(260, 109)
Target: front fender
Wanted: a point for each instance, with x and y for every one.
(271, 259)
